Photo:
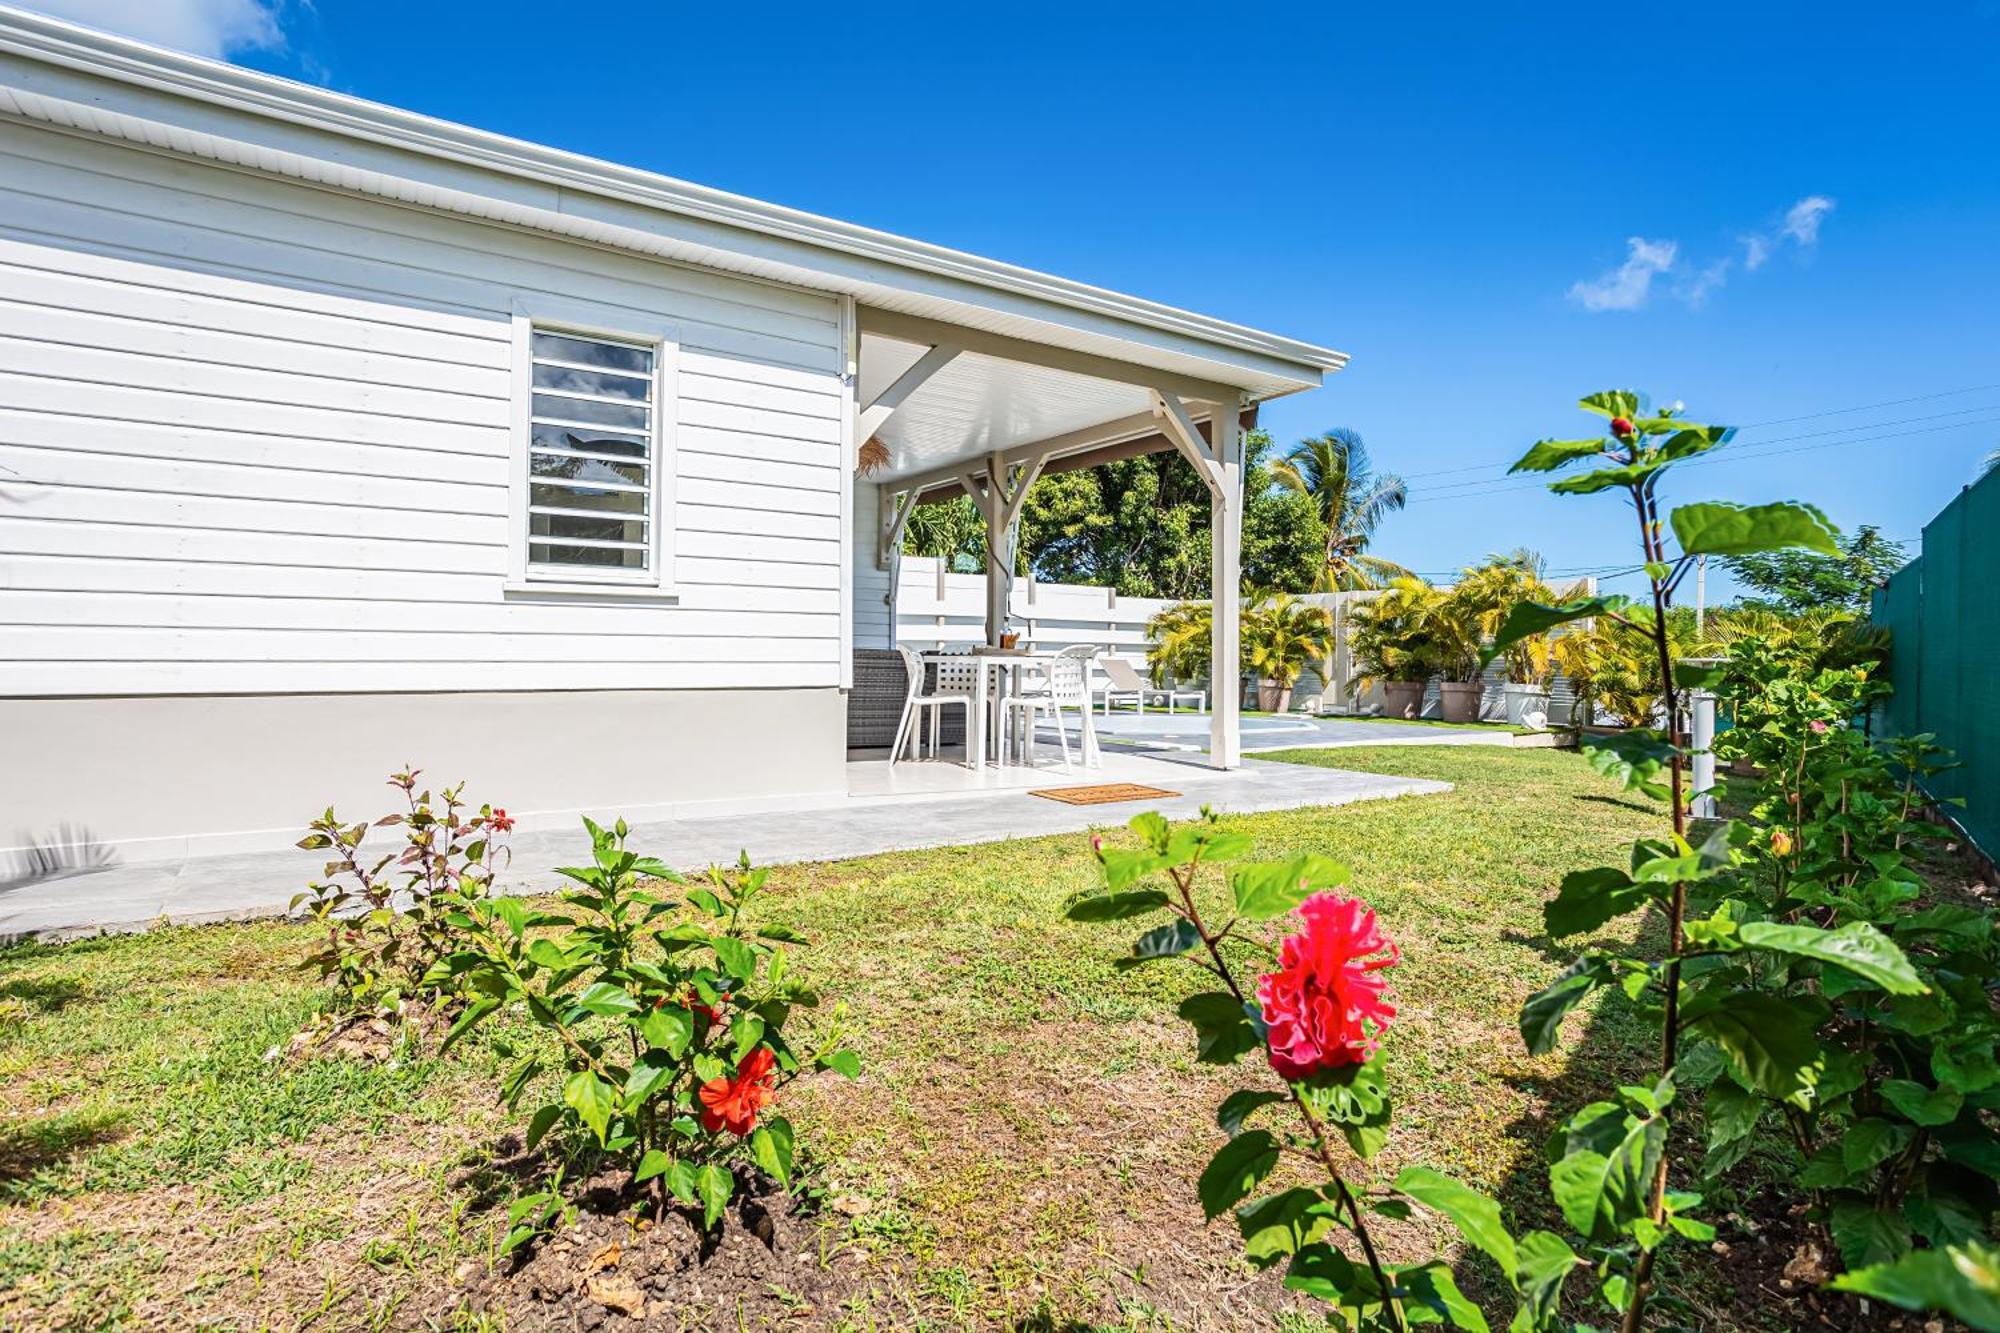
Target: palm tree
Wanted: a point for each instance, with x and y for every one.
(1334, 470)
(1992, 463)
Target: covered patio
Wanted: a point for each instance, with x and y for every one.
(947, 409)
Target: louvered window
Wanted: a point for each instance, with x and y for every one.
(593, 433)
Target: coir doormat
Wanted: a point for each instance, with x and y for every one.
(1104, 793)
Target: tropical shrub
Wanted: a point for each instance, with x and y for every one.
(1390, 635)
(1318, 1014)
(382, 917)
(665, 1020)
(1282, 636)
(1778, 969)
(1181, 641)
(1893, 1141)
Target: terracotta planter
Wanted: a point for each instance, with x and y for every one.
(1458, 700)
(1402, 698)
(1273, 697)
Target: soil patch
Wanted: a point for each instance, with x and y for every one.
(768, 1262)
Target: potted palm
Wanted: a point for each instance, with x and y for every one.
(1282, 636)
(1489, 593)
(1454, 626)
(1391, 639)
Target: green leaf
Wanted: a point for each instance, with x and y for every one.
(1125, 868)
(1527, 619)
(1222, 1027)
(1545, 1264)
(1590, 898)
(592, 1099)
(1612, 403)
(1325, 1274)
(1590, 483)
(1718, 528)
(1772, 1043)
(650, 1072)
(1274, 888)
(1282, 1224)
(1857, 946)
(845, 1063)
(1948, 1205)
(1635, 758)
(771, 1147)
(1433, 1286)
(1548, 455)
(1152, 828)
(471, 1018)
(1237, 1106)
(541, 1122)
(1604, 1179)
(1168, 941)
(1870, 1142)
(1733, 1113)
(1920, 1105)
(1116, 906)
(1476, 1216)
(1963, 1281)
(1238, 1167)
(512, 914)
(652, 1164)
(607, 998)
(1542, 1015)
(712, 1183)
(1866, 1234)
(738, 959)
(669, 1027)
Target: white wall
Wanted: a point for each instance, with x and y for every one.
(871, 581)
(254, 438)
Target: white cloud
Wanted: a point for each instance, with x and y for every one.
(1803, 218)
(216, 28)
(1695, 292)
(1627, 286)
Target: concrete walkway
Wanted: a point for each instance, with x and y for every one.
(136, 896)
(1154, 731)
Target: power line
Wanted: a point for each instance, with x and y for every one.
(1740, 456)
(1781, 421)
(1758, 446)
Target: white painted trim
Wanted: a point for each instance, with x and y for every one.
(846, 252)
(850, 449)
(564, 315)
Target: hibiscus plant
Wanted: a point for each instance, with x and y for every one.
(664, 1022)
(1790, 937)
(383, 915)
(1318, 1015)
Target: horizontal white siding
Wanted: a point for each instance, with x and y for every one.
(871, 581)
(255, 437)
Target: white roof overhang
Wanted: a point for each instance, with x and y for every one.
(77, 79)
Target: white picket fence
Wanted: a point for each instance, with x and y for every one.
(939, 609)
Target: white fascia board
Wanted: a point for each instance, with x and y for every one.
(75, 77)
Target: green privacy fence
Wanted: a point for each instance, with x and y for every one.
(1943, 609)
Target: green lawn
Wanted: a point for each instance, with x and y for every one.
(1025, 1135)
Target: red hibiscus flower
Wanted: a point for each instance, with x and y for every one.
(500, 821)
(1818, 727)
(1324, 1005)
(733, 1103)
(1781, 842)
(1621, 427)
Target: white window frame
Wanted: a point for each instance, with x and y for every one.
(565, 317)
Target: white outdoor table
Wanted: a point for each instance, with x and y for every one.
(999, 667)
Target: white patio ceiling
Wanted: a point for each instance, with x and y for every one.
(979, 404)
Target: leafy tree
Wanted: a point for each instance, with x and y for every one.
(1334, 471)
(1798, 581)
(1140, 525)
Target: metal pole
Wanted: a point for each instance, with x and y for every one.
(1703, 805)
(1700, 594)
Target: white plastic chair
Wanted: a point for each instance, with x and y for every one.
(931, 703)
(1067, 685)
(1127, 685)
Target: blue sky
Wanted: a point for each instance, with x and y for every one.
(1494, 210)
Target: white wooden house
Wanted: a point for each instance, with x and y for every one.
(334, 437)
